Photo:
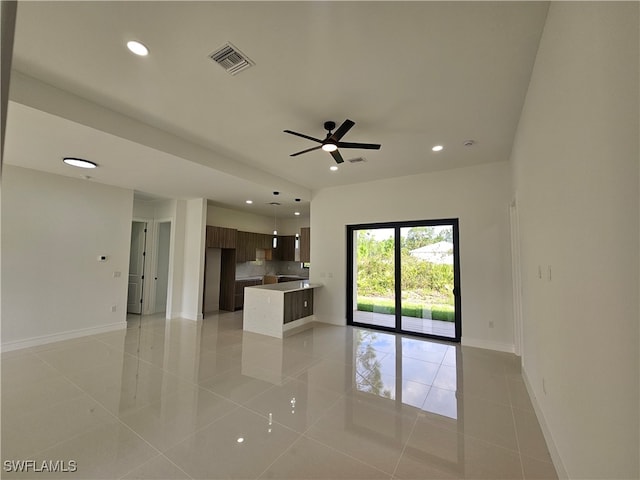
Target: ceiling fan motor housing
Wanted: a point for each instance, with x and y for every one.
(329, 125)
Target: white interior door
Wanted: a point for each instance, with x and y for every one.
(136, 267)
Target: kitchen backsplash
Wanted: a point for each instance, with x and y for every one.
(270, 267)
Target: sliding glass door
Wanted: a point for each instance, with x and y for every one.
(404, 277)
(375, 285)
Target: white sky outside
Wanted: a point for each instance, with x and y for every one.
(385, 233)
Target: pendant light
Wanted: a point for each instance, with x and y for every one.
(274, 242)
(297, 245)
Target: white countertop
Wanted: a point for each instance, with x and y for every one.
(287, 286)
(260, 277)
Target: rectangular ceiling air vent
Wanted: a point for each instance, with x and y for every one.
(231, 59)
(356, 160)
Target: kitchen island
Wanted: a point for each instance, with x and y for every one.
(275, 308)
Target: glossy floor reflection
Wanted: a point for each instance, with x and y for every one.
(182, 399)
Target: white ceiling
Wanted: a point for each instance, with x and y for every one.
(410, 75)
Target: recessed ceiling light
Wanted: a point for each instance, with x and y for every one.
(249, 202)
(296, 213)
(333, 168)
(437, 148)
(137, 48)
(79, 162)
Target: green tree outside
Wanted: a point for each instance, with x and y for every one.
(424, 284)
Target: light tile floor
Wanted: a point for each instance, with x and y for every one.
(184, 399)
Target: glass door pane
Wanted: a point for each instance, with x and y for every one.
(374, 277)
(427, 280)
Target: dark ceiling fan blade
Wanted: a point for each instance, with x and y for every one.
(303, 136)
(307, 150)
(366, 146)
(337, 157)
(342, 130)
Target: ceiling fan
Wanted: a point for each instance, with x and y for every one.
(332, 142)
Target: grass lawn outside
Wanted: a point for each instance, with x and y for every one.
(441, 312)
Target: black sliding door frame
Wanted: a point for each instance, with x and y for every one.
(397, 226)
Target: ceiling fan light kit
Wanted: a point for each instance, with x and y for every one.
(329, 147)
(332, 142)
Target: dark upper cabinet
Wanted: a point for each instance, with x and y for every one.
(305, 244)
(265, 241)
(286, 249)
(249, 242)
(246, 247)
(221, 237)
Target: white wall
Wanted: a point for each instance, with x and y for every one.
(575, 163)
(194, 247)
(7, 28)
(162, 266)
(174, 304)
(250, 222)
(53, 229)
(143, 209)
(478, 196)
(244, 221)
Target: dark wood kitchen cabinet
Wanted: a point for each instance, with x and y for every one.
(246, 246)
(305, 244)
(286, 249)
(249, 243)
(227, 279)
(221, 237)
(298, 304)
(239, 293)
(265, 241)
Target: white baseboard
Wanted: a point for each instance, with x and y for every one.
(191, 316)
(548, 437)
(57, 337)
(487, 344)
(330, 320)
